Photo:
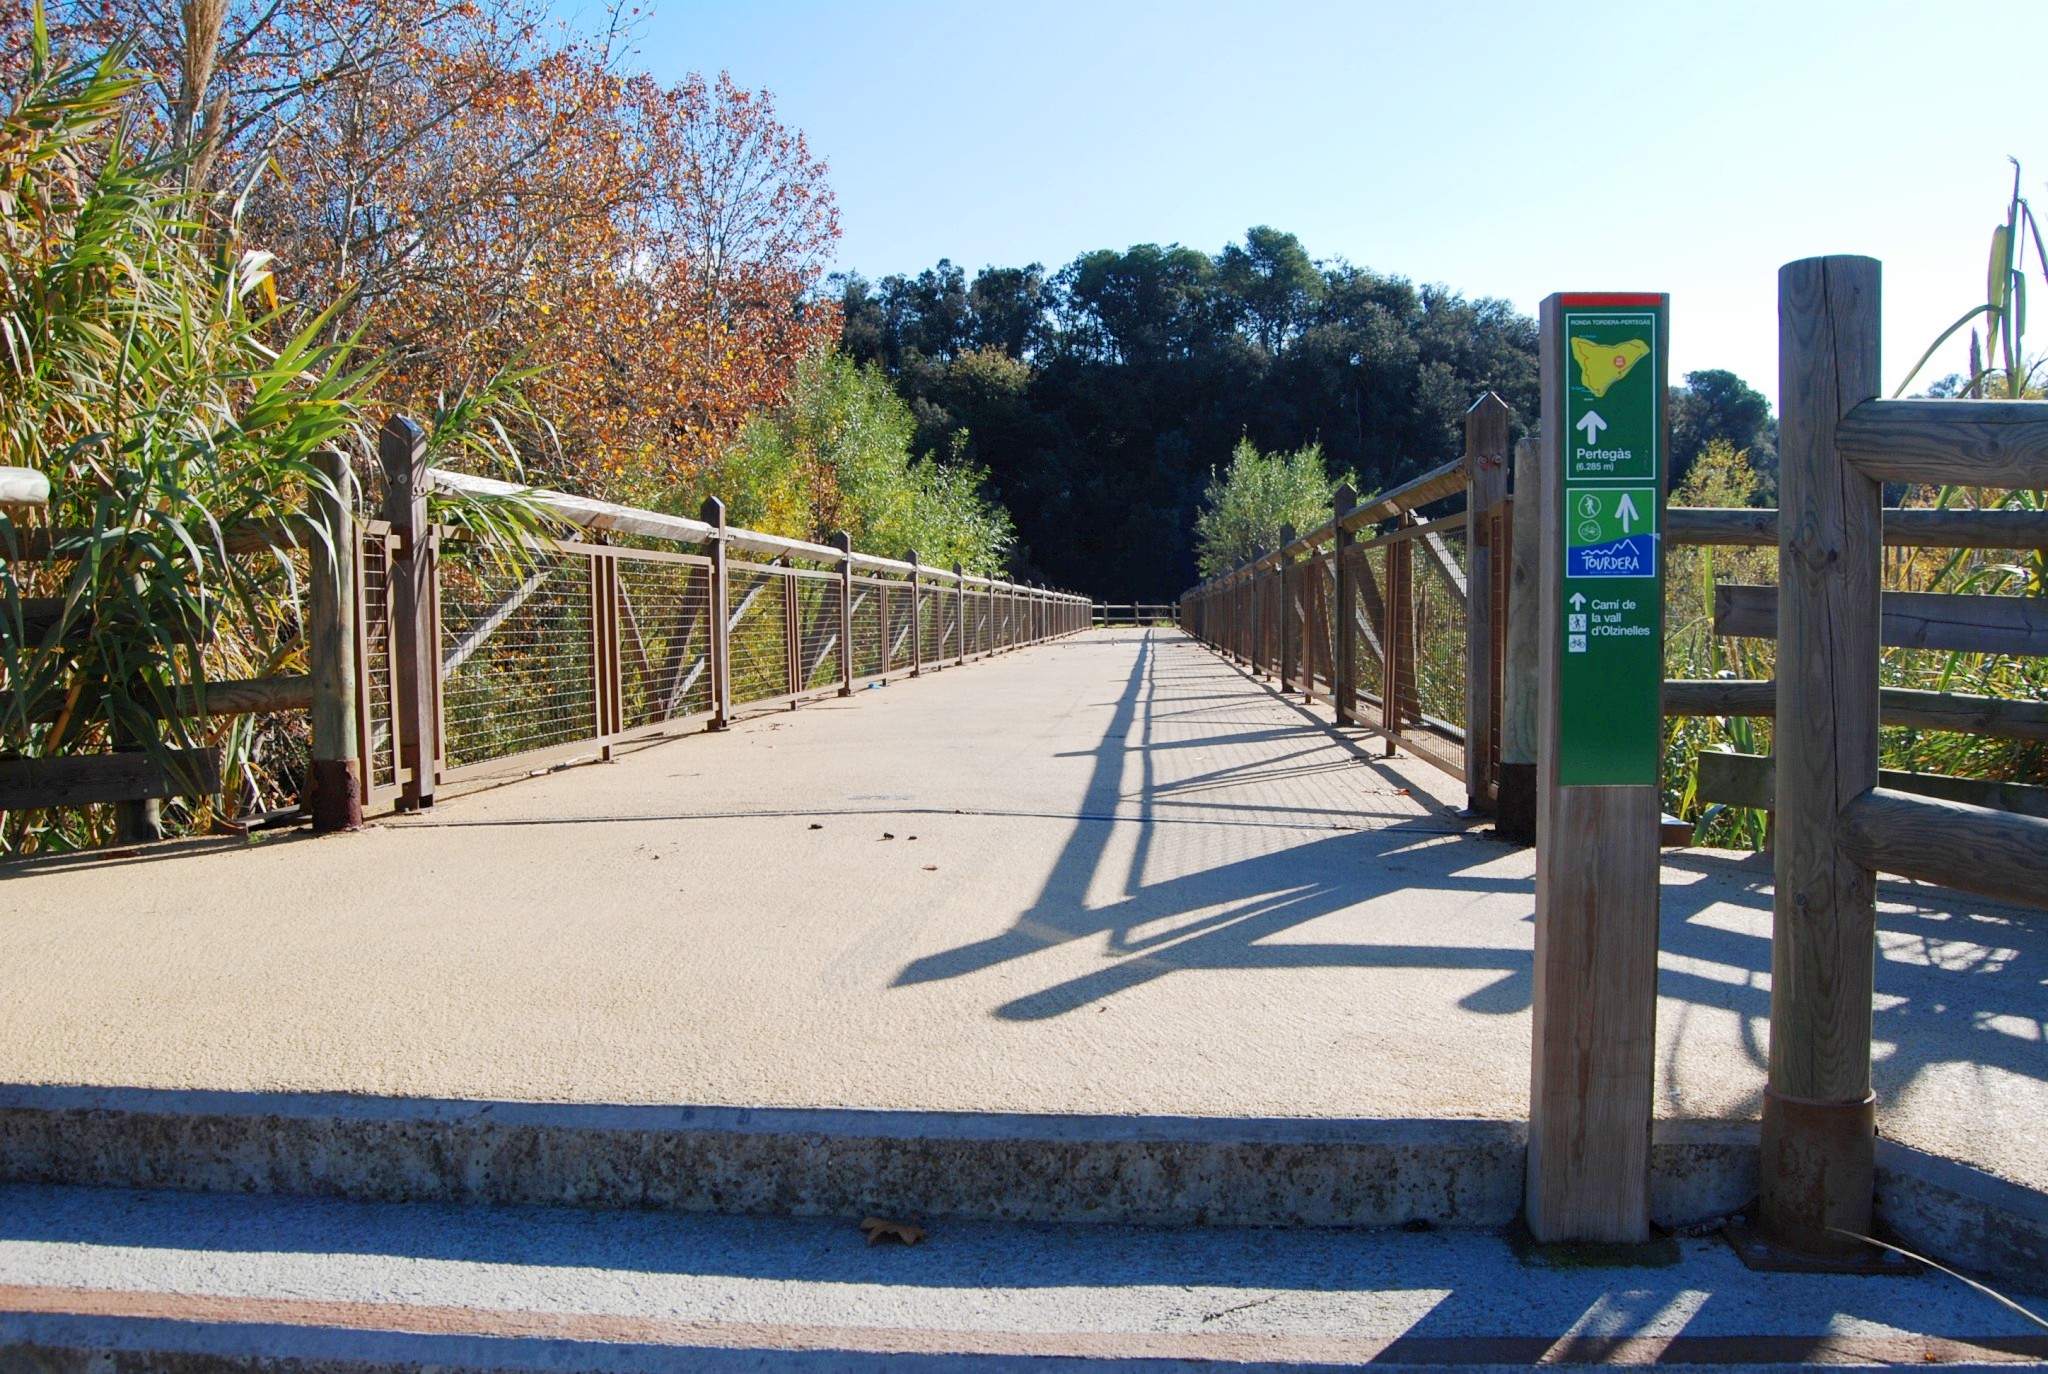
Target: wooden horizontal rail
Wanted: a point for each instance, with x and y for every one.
(1961, 712)
(1751, 780)
(89, 779)
(590, 514)
(237, 541)
(1994, 853)
(1434, 485)
(249, 696)
(1450, 524)
(23, 487)
(1916, 527)
(42, 614)
(1756, 526)
(1940, 443)
(1908, 620)
(1720, 697)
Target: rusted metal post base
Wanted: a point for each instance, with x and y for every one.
(1819, 1170)
(138, 822)
(337, 796)
(1515, 807)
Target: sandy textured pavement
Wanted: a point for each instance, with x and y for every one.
(1106, 875)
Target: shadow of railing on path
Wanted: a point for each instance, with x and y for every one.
(1234, 915)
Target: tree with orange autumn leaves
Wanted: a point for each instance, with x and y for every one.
(473, 193)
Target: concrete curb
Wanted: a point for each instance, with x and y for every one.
(799, 1162)
(976, 1166)
(1964, 1217)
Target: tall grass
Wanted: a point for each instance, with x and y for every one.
(152, 375)
(150, 370)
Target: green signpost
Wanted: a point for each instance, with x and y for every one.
(1611, 660)
(1593, 1015)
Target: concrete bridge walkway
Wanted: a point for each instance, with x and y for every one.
(1107, 875)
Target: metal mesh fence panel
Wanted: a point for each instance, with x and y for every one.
(1318, 650)
(760, 653)
(899, 624)
(1368, 661)
(516, 655)
(867, 628)
(665, 640)
(928, 612)
(1440, 626)
(817, 602)
(380, 748)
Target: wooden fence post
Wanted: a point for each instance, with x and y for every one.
(415, 629)
(1397, 636)
(1262, 621)
(607, 678)
(1819, 1114)
(959, 615)
(337, 782)
(843, 542)
(1515, 816)
(713, 514)
(1285, 594)
(916, 614)
(1486, 478)
(1344, 629)
(792, 632)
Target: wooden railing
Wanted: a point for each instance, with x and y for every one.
(433, 659)
(1134, 613)
(136, 780)
(1340, 615)
(1838, 823)
(1973, 624)
(587, 645)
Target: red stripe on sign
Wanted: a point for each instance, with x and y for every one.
(1611, 298)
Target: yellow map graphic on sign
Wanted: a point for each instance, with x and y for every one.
(1602, 365)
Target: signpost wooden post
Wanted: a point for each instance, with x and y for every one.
(1600, 744)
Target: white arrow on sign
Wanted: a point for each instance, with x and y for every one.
(1627, 512)
(1592, 424)
(1578, 601)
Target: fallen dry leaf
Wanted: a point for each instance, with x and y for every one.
(879, 1230)
(931, 868)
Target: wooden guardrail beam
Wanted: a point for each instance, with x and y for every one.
(91, 779)
(65, 542)
(1961, 712)
(1973, 848)
(1908, 620)
(1910, 527)
(1955, 443)
(1735, 779)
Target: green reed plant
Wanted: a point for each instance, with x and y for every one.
(150, 370)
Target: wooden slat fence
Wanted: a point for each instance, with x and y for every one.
(1396, 621)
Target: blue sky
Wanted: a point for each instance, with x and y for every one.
(1505, 150)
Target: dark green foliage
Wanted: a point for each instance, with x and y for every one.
(1716, 404)
(1100, 398)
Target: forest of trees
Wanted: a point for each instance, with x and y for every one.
(1101, 397)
